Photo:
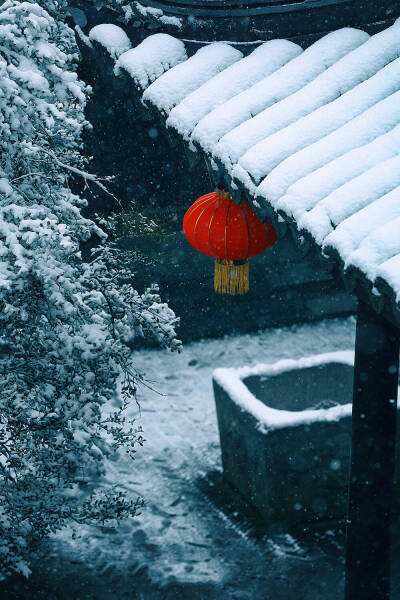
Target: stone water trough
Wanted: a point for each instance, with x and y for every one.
(285, 431)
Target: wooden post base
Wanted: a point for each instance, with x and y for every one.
(372, 457)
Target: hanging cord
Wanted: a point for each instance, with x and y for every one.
(220, 184)
(208, 170)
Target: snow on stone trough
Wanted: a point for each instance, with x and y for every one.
(314, 134)
(268, 418)
(292, 416)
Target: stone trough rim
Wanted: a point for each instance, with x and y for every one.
(270, 419)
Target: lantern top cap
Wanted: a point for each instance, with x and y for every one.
(223, 194)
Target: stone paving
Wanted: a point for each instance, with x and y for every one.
(192, 542)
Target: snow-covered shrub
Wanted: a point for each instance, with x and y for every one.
(122, 8)
(129, 10)
(66, 324)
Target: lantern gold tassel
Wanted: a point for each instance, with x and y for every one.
(231, 277)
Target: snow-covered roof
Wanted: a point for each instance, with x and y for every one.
(314, 134)
(178, 83)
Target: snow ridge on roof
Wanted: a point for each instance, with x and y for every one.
(314, 189)
(267, 154)
(230, 82)
(243, 123)
(148, 61)
(354, 68)
(351, 232)
(351, 197)
(375, 121)
(263, 61)
(111, 37)
(174, 85)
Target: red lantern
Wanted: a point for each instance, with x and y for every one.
(229, 232)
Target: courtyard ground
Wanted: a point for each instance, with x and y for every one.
(194, 539)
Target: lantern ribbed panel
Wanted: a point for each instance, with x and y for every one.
(194, 216)
(218, 227)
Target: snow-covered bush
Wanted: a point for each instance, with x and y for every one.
(122, 8)
(130, 10)
(66, 324)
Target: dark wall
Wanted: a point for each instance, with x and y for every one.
(301, 20)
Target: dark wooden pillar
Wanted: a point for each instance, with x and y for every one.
(372, 457)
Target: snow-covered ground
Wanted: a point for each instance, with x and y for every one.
(184, 545)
